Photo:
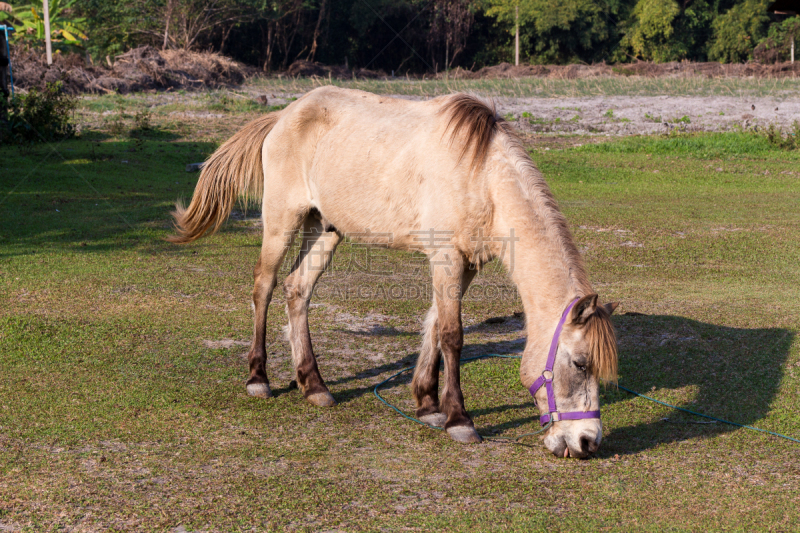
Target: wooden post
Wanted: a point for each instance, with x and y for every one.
(516, 37)
(48, 46)
(792, 48)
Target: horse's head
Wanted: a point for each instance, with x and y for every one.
(586, 353)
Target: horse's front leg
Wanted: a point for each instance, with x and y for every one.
(449, 287)
(425, 385)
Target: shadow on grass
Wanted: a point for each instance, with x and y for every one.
(729, 373)
(91, 195)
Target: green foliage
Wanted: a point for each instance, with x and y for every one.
(735, 145)
(659, 30)
(558, 30)
(652, 28)
(736, 32)
(273, 34)
(777, 45)
(64, 28)
(788, 141)
(39, 116)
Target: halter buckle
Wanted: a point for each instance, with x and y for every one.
(545, 375)
(555, 416)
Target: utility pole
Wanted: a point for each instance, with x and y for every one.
(792, 48)
(516, 37)
(48, 46)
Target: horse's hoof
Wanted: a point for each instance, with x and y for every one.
(259, 390)
(434, 419)
(465, 434)
(321, 399)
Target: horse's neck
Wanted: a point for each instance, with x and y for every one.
(543, 261)
(546, 286)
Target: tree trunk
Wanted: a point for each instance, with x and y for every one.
(268, 61)
(170, 8)
(47, 44)
(225, 36)
(313, 51)
(516, 37)
(291, 40)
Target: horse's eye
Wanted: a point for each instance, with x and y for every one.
(582, 368)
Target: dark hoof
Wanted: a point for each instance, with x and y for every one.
(259, 390)
(321, 399)
(434, 419)
(464, 434)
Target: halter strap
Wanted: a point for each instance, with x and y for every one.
(546, 379)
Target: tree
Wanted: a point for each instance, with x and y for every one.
(559, 30)
(665, 30)
(64, 26)
(778, 43)
(450, 23)
(737, 31)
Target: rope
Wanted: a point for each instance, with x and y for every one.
(546, 427)
(420, 422)
(714, 418)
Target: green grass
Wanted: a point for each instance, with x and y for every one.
(116, 412)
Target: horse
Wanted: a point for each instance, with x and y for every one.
(446, 177)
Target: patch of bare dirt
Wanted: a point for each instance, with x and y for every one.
(641, 115)
(224, 344)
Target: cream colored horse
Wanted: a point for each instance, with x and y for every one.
(445, 177)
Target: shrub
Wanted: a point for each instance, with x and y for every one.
(777, 45)
(737, 31)
(38, 116)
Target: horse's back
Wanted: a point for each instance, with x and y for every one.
(378, 164)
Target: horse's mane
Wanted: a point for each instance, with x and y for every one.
(599, 333)
(480, 123)
(477, 121)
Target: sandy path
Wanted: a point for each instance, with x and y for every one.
(634, 115)
(648, 114)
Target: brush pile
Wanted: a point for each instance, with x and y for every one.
(641, 68)
(141, 69)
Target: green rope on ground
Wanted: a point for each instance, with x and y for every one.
(547, 426)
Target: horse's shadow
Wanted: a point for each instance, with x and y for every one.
(727, 372)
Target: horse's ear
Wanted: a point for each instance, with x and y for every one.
(611, 307)
(582, 310)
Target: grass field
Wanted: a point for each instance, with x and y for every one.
(122, 357)
(552, 87)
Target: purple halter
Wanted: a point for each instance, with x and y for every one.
(546, 379)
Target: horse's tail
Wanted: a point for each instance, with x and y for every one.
(234, 169)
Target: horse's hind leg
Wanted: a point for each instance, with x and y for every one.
(425, 385)
(316, 252)
(277, 238)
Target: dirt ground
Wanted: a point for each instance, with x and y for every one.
(638, 115)
(647, 114)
